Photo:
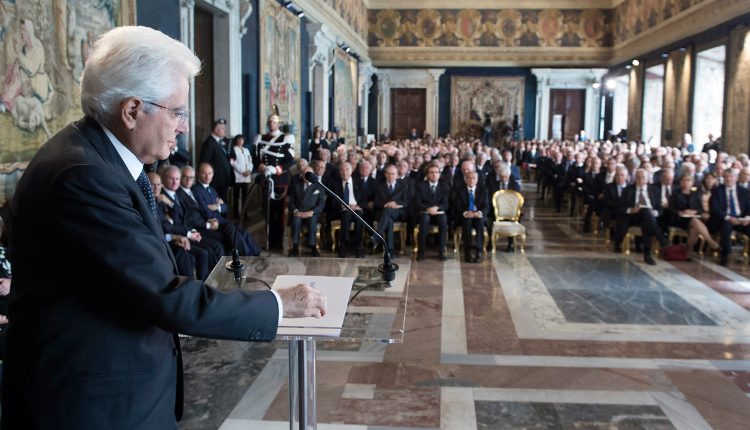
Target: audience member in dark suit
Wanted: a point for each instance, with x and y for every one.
(431, 202)
(192, 261)
(213, 152)
(555, 170)
(368, 185)
(685, 207)
(390, 203)
(306, 204)
(500, 179)
(175, 220)
(93, 337)
(593, 189)
(404, 167)
(643, 208)
(215, 208)
(470, 205)
(615, 204)
(352, 192)
(574, 180)
(515, 173)
(730, 211)
(451, 170)
(665, 189)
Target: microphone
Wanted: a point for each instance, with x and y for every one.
(236, 265)
(388, 269)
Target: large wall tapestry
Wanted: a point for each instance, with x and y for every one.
(280, 65)
(45, 44)
(490, 28)
(345, 95)
(472, 98)
(633, 17)
(354, 12)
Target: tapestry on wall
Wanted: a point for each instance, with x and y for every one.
(280, 66)
(474, 98)
(354, 12)
(45, 44)
(345, 95)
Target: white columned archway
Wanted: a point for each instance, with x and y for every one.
(409, 78)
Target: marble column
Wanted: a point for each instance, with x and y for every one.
(366, 71)
(635, 101)
(737, 106)
(187, 26)
(322, 44)
(677, 81)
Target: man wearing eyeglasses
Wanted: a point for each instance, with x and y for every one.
(214, 153)
(97, 303)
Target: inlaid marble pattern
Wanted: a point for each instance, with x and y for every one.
(609, 291)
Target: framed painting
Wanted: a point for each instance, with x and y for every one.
(345, 95)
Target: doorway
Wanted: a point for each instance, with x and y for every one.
(566, 113)
(408, 110)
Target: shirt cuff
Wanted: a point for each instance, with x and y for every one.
(281, 306)
(168, 237)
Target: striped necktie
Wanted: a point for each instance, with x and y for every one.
(145, 187)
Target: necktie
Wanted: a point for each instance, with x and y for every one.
(471, 201)
(390, 189)
(432, 189)
(732, 206)
(669, 191)
(145, 187)
(619, 191)
(503, 186)
(641, 198)
(346, 192)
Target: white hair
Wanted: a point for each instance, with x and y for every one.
(133, 62)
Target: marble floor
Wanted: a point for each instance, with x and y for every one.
(569, 336)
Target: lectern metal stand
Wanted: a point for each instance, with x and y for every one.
(373, 299)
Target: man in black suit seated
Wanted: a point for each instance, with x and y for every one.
(555, 171)
(431, 202)
(593, 192)
(352, 193)
(470, 205)
(665, 188)
(643, 209)
(191, 261)
(730, 211)
(574, 179)
(615, 204)
(214, 152)
(93, 340)
(515, 172)
(391, 204)
(306, 203)
(368, 184)
(174, 221)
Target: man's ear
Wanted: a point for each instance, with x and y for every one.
(130, 110)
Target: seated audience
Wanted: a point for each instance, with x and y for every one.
(306, 203)
(431, 203)
(470, 205)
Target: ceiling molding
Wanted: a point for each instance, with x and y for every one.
(492, 4)
(702, 17)
(484, 57)
(320, 12)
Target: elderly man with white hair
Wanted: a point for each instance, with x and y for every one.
(97, 301)
(730, 211)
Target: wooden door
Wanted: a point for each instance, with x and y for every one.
(570, 106)
(408, 110)
(204, 82)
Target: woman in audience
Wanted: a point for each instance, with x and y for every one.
(316, 143)
(242, 164)
(686, 208)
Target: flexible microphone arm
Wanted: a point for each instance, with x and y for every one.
(388, 269)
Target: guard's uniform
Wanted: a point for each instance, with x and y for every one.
(275, 150)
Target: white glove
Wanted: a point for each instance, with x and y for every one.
(270, 171)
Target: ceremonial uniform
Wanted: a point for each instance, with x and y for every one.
(274, 150)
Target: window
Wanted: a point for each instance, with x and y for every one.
(708, 101)
(619, 87)
(653, 101)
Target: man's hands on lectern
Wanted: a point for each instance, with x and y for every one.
(302, 301)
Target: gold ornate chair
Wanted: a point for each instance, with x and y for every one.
(508, 205)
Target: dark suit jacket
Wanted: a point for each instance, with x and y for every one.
(359, 194)
(312, 199)
(615, 205)
(653, 196)
(207, 196)
(400, 194)
(92, 341)
(718, 203)
(194, 215)
(424, 198)
(460, 202)
(213, 153)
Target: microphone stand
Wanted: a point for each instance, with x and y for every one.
(388, 269)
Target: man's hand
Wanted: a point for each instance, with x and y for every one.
(164, 199)
(391, 204)
(302, 301)
(355, 207)
(215, 207)
(181, 241)
(432, 210)
(4, 286)
(194, 236)
(634, 210)
(734, 221)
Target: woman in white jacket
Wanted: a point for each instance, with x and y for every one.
(242, 163)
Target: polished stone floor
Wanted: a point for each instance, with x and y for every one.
(569, 336)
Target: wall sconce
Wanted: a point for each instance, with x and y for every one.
(610, 84)
(636, 63)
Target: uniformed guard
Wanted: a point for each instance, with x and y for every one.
(275, 154)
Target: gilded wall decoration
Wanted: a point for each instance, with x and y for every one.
(490, 28)
(345, 95)
(43, 47)
(280, 65)
(354, 12)
(632, 17)
(474, 97)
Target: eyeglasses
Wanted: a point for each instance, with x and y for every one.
(181, 114)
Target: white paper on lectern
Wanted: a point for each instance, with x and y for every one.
(337, 290)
